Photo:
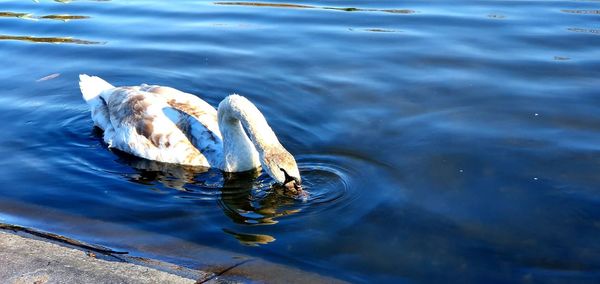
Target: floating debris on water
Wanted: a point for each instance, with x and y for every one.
(381, 31)
(49, 77)
(375, 30)
(496, 16)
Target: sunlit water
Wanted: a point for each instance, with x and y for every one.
(438, 140)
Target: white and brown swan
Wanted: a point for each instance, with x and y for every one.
(167, 125)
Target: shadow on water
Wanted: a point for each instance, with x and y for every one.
(69, 1)
(14, 15)
(59, 17)
(582, 12)
(48, 39)
(64, 17)
(29, 16)
(582, 30)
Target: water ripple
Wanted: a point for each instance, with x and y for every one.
(297, 6)
(250, 198)
(412, 123)
(582, 12)
(324, 181)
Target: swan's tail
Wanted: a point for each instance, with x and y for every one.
(92, 86)
(91, 89)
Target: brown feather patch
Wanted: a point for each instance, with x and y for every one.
(145, 128)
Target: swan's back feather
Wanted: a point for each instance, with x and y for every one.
(145, 125)
(155, 122)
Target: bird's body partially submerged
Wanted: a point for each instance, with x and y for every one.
(167, 125)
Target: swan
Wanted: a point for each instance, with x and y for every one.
(167, 125)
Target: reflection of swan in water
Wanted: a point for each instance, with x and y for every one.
(170, 175)
(236, 198)
(167, 125)
(243, 207)
(234, 192)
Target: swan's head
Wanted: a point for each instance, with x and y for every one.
(282, 167)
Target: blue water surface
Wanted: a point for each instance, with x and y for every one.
(439, 140)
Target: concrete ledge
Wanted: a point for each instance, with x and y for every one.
(24, 260)
(197, 263)
(31, 256)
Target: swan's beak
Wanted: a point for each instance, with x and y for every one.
(293, 187)
(292, 184)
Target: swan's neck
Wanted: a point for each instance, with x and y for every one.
(246, 134)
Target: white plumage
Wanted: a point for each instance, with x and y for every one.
(167, 125)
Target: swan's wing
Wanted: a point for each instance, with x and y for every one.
(146, 126)
(188, 103)
(198, 120)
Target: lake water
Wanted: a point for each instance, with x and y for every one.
(439, 140)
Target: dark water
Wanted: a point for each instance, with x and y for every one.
(439, 140)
